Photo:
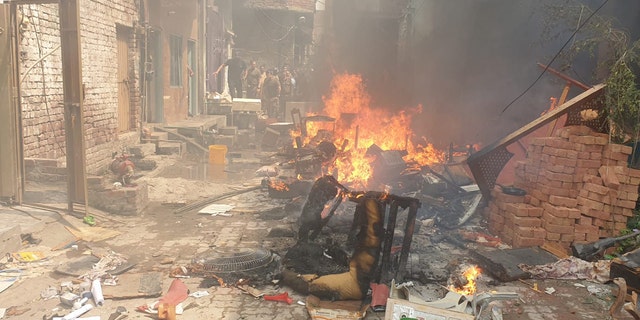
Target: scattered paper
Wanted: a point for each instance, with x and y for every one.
(28, 256)
(217, 209)
(199, 294)
(550, 290)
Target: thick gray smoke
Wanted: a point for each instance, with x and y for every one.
(467, 60)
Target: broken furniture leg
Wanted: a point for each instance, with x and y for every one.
(632, 307)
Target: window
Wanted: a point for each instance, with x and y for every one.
(175, 44)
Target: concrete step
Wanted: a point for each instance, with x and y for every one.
(159, 136)
(142, 150)
(165, 147)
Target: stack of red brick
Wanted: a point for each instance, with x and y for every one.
(579, 188)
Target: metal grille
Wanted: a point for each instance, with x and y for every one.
(595, 102)
(486, 169)
(234, 259)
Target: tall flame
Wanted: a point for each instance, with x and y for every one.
(357, 122)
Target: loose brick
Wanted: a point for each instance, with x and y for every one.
(583, 163)
(592, 179)
(619, 148)
(518, 209)
(563, 201)
(524, 242)
(599, 189)
(527, 221)
(557, 229)
(553, 236)
(550, 218)
(590, 204)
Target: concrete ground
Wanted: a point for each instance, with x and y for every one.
(161, 240)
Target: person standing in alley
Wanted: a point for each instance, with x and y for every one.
(270, 94)
(235, 74)
(253, 80)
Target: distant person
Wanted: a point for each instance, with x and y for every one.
(270, 95)
(253, 80)
(263, 75)
(237, 68)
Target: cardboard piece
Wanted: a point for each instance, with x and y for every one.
(336, 310)
(135, 285)
(399, 308)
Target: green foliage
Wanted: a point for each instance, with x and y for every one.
(617, 59)
(623, 101)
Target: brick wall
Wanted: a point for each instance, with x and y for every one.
(41, 90)
(579, 189)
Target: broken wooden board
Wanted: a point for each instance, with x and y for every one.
(81, 265)
(628, 267)
(336, 310)
(135, 285)
(503, 264)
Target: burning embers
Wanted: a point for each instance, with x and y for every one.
(358, 127)
(464, 281)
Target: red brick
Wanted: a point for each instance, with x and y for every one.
(590, 204)
(507, 198)
(613, 147)
(595, 156)
(571, 154)
(518, 209)
(563, 201)
(597, 214)
(596, 197)
(584, 220)
(527, 221)
(585, 229)
(553, 236)
(535, 211)
(628, 188)
(555, 176)
(615, 156)
(634, 172)
(626, 204)
(582, 163)
(557, 229)
(523, 231)
(550, 218)
(592, 179)
(592, 237)
(609, 177)
(579, 237)
(566, 237)
(584, 155)
(524, 242)
(619, 218)
(600, 189)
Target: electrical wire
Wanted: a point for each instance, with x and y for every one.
(554, 57)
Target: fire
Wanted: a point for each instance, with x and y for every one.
(278, 185)
(470, 274)
(358, 126)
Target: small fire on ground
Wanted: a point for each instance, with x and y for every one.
(466, 283)
(359, 125)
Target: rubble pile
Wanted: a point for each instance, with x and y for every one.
(578, 189)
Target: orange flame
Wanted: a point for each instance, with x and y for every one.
(357, 122)
(471, 274)
(278, 185)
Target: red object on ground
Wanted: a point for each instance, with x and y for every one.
(284, 297)
(379, 295)
(177, 293)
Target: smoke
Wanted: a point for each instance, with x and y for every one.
(466, 61)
